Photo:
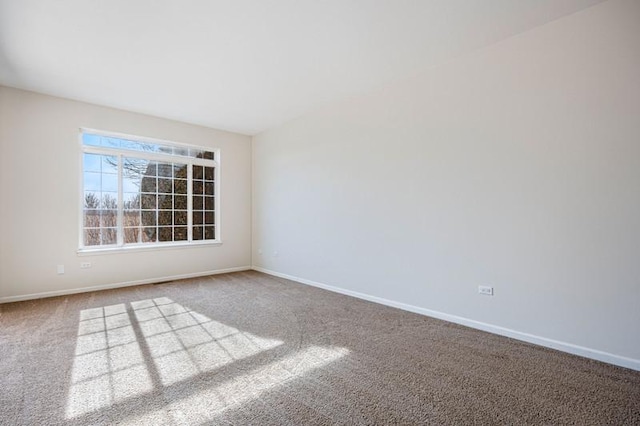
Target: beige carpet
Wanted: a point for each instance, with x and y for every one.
(247, 348)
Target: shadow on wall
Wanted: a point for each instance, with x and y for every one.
(124, 355)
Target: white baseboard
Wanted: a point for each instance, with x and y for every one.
(65, 292)
(595, 354)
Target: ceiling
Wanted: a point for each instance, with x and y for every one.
(244, 65)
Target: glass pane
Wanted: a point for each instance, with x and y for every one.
(180, 234)
(197, 187)
(165, 234)
(197, 203)
(131, 235)
(165, 185)
(209, 173)
(165, 149)
(92, 181)
(209, 218)
(131, 201)
(111, 142)
(165, 218)
(131, 145)
(180, 202)
(180, 218)
(135, 167)
(89, 139)
(130, 184)
(109, 182)
(91, 237)
(180, 151)
(108, 218)
(151, 169)
(91, 162)
(148, 235)
(109, 200)
(131, 218)
(196, 153)
(92, 200)
(148, 218)
(138, 175)
(197, 218)
(197, 233)
(91, 218)
(209, 233)
(148, 184)
(180, 171)
(165, 169)
(148, 201)
(208, 203)
(109, 235)
(208, 188)
(197, 172)
(109, 164)
(165, 201)
(208, 155)
(180, 186)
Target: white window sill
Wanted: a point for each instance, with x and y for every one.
(142, 248)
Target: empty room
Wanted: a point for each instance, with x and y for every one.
(300, 212)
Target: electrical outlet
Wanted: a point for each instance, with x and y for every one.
(60, 269)
(486, 290)
(85, 265)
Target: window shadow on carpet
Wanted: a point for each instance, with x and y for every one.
(127, 354)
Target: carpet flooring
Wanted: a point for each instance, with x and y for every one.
(248, 348)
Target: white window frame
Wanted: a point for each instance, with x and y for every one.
(154, 156)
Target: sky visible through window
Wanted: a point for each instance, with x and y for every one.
(90, 139)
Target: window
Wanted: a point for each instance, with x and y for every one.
(140, 192)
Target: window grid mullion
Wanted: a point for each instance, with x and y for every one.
(190, 202)
(120, 214)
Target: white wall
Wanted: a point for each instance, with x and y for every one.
(39, 191)
(517, 166)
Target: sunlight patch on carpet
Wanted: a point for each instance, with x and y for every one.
(108, 366)
(204, 406)
(184, 343)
